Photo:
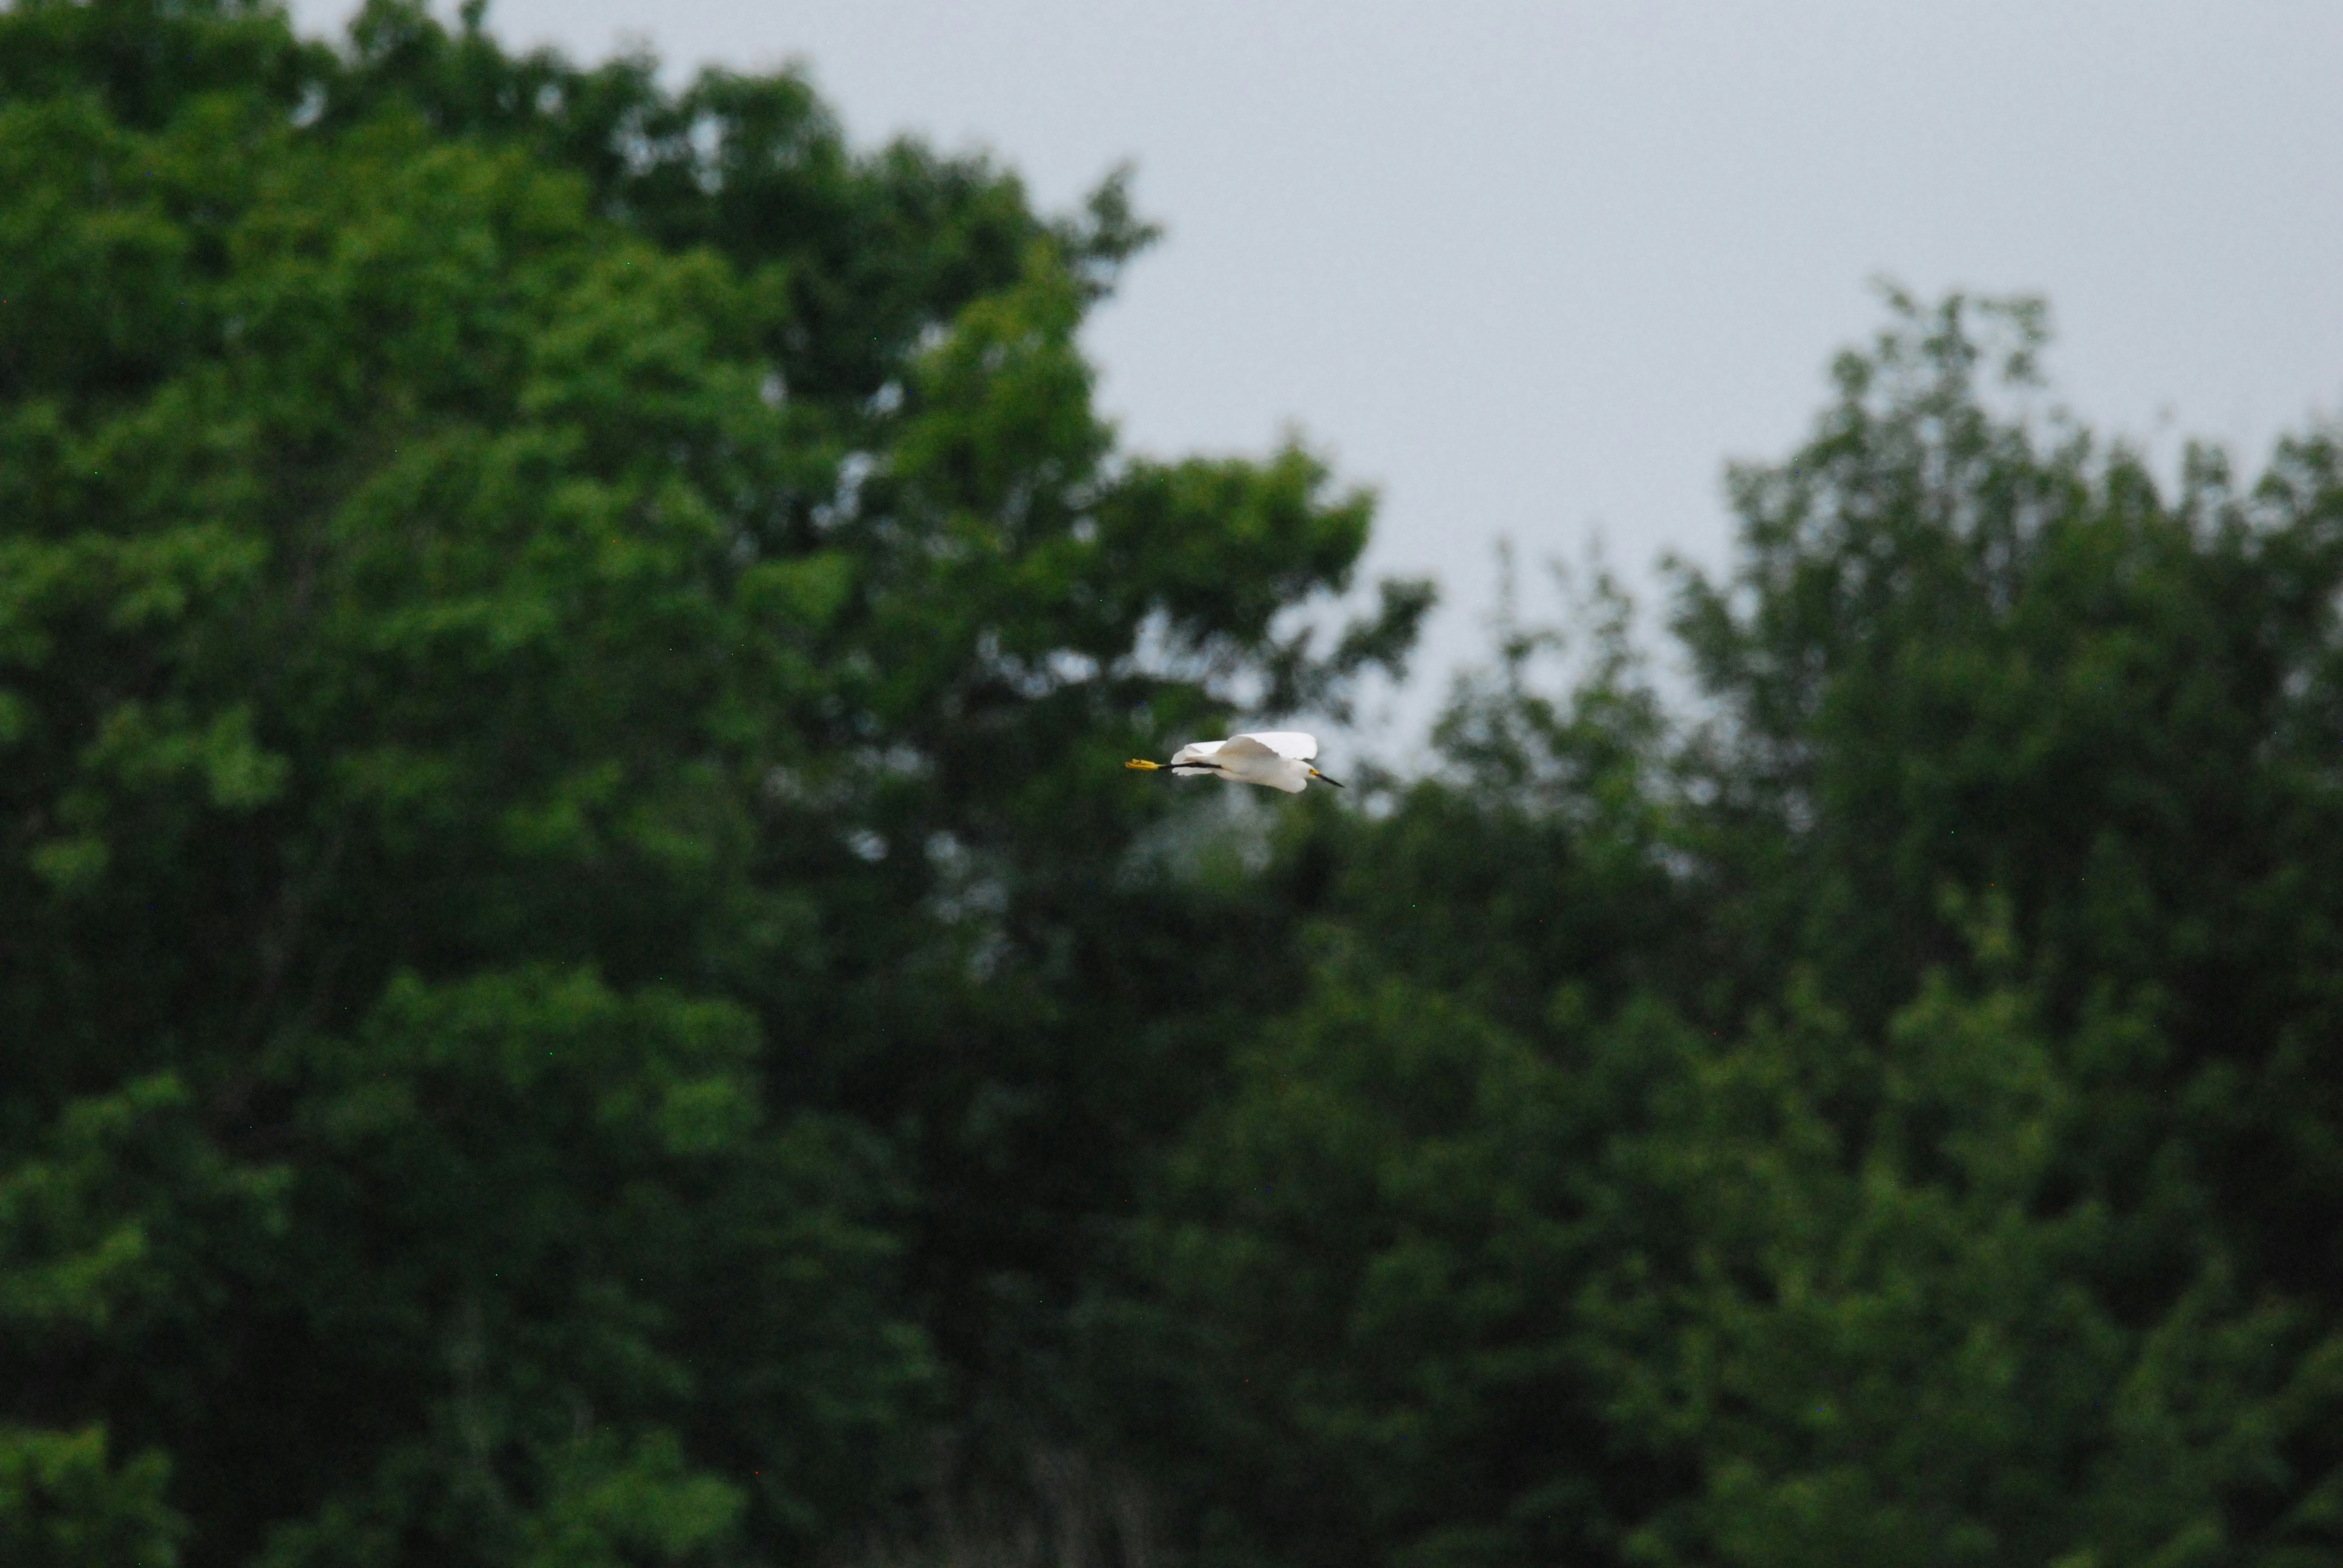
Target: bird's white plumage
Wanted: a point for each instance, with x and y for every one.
(1293, 743)
(1196, 751)
(1278, 758)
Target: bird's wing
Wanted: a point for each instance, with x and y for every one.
(1196, 751)
(1290, 743)
(1247, 748)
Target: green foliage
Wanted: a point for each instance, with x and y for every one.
(1887, 1347)
(61, 1507)
(1360, 1269)
(1876, 1124)
(560, 643)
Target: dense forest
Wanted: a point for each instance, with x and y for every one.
(582, 983)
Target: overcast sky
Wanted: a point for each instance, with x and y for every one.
(1534, 270)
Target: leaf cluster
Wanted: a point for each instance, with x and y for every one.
(561, 644)
(1873, 1114)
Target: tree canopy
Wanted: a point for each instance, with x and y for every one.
(579, 982)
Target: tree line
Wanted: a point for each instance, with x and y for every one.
(580, 983)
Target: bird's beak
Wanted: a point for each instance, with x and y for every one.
(1337, 783)
(1144, 765)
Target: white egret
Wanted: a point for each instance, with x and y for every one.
(1279, 758)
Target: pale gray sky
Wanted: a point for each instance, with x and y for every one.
(1537, 269)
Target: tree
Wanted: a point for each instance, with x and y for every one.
(1873, 1124)
(560, 655)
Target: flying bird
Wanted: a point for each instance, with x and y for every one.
(1279, 758)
